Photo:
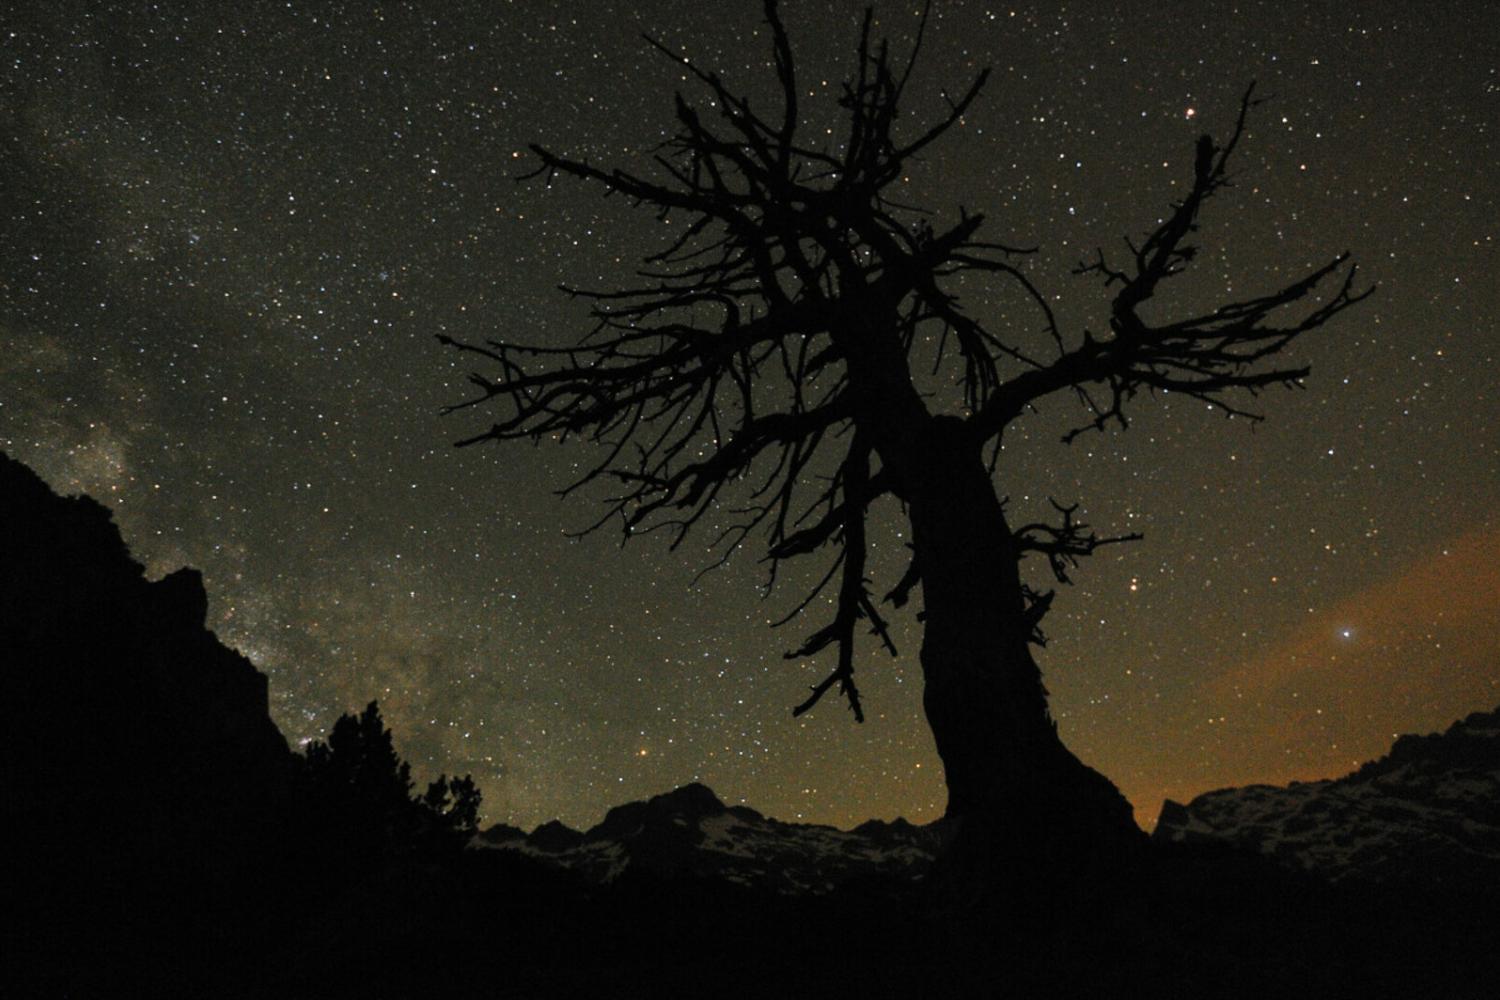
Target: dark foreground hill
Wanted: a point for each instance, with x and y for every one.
(164, 841)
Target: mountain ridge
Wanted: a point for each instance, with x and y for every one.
(689, 832)
(1425, 814)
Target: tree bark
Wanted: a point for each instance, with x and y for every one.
(1019, 802)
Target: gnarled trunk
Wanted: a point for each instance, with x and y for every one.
(1018, 800)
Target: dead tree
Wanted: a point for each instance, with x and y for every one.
(803, 321)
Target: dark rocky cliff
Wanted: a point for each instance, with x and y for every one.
(143, 775)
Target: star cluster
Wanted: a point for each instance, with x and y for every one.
(230, 233)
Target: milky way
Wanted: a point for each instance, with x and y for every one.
(232, 231)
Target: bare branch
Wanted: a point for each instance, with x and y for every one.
(1066, 543)
(853, 598)
(1229, 349)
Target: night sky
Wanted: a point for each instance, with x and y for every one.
(229, 233)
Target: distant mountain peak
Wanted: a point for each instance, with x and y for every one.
(690, 833)
(693, 799)
(554, 836)
(1425, 814)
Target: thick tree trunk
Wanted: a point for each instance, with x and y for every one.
(1021, 806)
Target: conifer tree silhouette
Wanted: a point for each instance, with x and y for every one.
(360, 779)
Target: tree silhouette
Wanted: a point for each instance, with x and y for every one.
(454, 803)
(360, 758)
(364, 788)
(801, 346)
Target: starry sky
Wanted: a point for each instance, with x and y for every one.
(230, 232)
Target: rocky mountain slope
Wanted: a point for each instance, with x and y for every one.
(145, 783)
(1425, 815)
(689, 833)
(119, 705)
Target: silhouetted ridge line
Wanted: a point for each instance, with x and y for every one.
(1425, 815)
(690, 833)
